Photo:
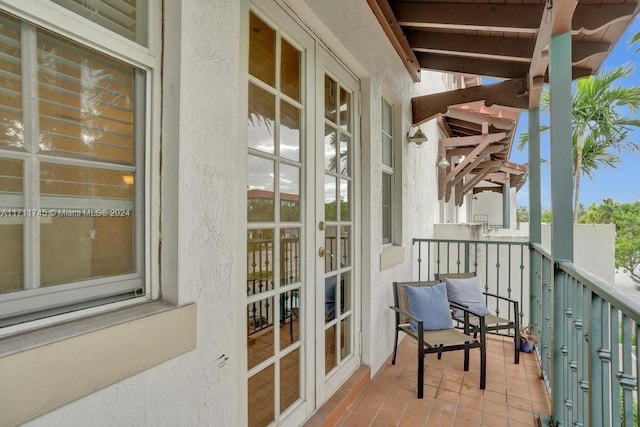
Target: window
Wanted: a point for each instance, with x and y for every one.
(72, 163)
(387, 172)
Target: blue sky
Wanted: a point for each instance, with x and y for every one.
(622, 183)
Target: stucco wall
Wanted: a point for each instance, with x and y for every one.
(489, 205)
(203, 185)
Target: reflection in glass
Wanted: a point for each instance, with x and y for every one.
(345, 244)
(289, 379)
(259, 261)
(330, 202)
(260, 195)
(11, 254)
(330, 298)
(330, 149)
(289, 255)
(387, 154)
(386, 208)
(261, 406)
(345, 110)
(345, 293)
(11, 176)
(290, 122)
(331, 248)
(262, 117)
(86, 101)
(345, 154)
(345, 337)
(59, 180)
(260, 344)
(262, 48)
(290, 70)
(345, 204)
(289, 193)
(290, 314)
(11, 123)
(330, 360)
(93, 247)
(386, 117)
(330, 101)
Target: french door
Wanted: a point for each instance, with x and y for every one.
(302, 315)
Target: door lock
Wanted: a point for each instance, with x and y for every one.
(322, 251)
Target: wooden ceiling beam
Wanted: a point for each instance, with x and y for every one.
(489, 138)
(470, 162)
(518, 18)
(476, 179)
(510, 93)
(477, 66)
(392, 29)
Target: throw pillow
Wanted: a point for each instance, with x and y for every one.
(430, 304)
(466, 292)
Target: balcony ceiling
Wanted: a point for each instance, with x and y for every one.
(506, 40)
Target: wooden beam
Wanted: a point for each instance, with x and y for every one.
(477, 66)
(467, 115)
(497, 177)
(477, 178)
(392, 29)
(468, 45)
(454, 152)
(493, 17)
(477, 190)
(470, 163)
(517, 18)
(473, 140)
(510, 93)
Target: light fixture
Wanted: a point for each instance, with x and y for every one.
(418, 137)
(442, 161)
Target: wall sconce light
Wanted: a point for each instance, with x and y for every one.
(442, 161)
(418, 137)
(127, 179)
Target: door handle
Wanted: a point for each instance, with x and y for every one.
(322, 251)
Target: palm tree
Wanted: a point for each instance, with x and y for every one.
(602, 123)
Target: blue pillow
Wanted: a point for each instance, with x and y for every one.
(429, 304)
(466, 292)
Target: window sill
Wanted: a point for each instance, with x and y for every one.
(391, 256)
(49, 367)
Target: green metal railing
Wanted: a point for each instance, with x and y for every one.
(592, 348)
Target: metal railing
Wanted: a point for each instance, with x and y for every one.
(586, 329)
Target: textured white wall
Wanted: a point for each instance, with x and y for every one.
(490, 204)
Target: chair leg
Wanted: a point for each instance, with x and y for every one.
(517, 347)
(466, 357)
(395, 349)
(483, 362)
(420, 373)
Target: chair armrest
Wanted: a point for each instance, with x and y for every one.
(406, 313)
(500, 297)
(465, 308)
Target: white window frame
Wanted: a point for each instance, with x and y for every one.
(388, 170)
(61, 21)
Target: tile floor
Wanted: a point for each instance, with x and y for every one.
(513, 397)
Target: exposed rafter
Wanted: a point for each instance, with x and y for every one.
(511, 93)
(473, 140)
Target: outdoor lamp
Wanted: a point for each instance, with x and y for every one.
(418, 138)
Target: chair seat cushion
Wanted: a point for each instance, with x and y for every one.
(430, 304)
(466, 292)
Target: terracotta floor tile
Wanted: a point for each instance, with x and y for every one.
(356, 420)
(408, 421)
(490, 420)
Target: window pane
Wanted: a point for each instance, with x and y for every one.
(290, 70)
(11, 125)
(386, 208)
(345, 337)
(261, 398)
(261, 320)
(289, 379)
(387, 147)
(386, 117)
(330, 101)
(291, 313)
(262, 118)
(345, 204)
(330, 149)
(330, 202)
(345, 110)
(289, 193)
(93, 247)
(125, 17)
(262, 51)
(58, 180)
(260, 196)
(290, 124)
(345, 154)
(345, 245)
(330, 359)
(331, 248)
(10, 176)
(259, 261)
(11, 253)
(86, 102)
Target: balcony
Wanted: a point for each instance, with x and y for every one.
(584, 358)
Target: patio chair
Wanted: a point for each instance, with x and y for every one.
(492, 322)
(439, 339)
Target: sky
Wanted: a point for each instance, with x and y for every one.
(621, 184)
